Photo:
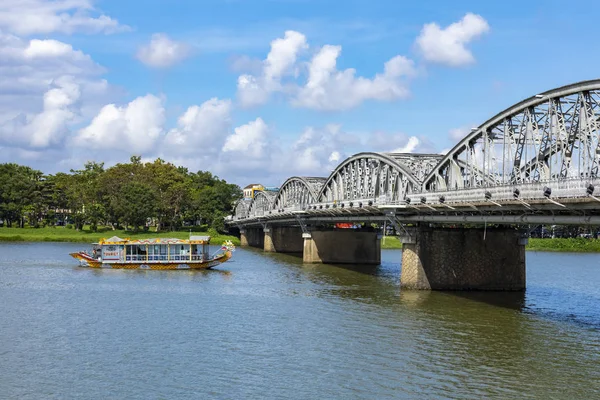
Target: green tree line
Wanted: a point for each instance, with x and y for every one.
(130, 196)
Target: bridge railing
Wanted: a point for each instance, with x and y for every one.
(563, 189)
(557, 189)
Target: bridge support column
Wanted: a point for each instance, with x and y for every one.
(283, 239)
(251, 237)
(243, 238)
(463, 259)
(342, 247)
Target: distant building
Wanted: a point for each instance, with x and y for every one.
(250, 190)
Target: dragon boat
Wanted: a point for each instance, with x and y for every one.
(159, 254)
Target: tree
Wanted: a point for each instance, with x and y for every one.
(136, 204)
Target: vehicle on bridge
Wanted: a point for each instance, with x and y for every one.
(159, 254)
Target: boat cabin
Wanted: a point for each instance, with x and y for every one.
(117, 250)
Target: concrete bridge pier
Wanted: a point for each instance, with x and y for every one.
(252, 237)
(344, 246)
(283, 239)
(463, 259)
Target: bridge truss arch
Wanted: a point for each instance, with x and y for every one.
(298, 192)
(552, 136)
(262, 204)
(242, 208)
(372, 176)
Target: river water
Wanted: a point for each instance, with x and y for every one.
(267, 326)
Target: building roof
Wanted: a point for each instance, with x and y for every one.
(250, 186)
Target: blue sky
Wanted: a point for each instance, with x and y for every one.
(109, 79)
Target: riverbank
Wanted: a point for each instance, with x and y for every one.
(576, 245)
(62, 234)
(391, 242)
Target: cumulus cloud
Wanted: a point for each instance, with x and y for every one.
(48, 127)
(318, 150)
(249, 139)
(27, 17)
(163, 52)
(330, 89)
(133, 128)
(448, 46)
(326, 88)
(409, 147)
(255, 90)
(28, 66)
(45, 86)
(201, 128)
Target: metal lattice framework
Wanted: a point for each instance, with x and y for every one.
(297, 192)
(553, 136)
(389, 176)
(262, 204)
(535, 162)
(242, 207)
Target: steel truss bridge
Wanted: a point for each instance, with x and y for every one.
(536, 162)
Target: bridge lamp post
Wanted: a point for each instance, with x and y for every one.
(488, 197)
(547, 192)
(590, 192)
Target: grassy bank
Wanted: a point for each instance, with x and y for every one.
(580, 245)
(391, 242)
(61, 234)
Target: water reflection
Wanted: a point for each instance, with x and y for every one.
(263, 325)
(510, 300)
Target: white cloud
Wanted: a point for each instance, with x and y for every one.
(45, 86)
(318, 150)
(409, 147)
(201, 129)
(163, 52)
(334, 156)
(326, 88)
(27, 17)
(255, 90)
(447, 46)
(249, 139)
(27, 66)
(330, 89)
(134, 128)
(50, 126)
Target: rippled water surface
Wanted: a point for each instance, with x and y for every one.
(266, 326)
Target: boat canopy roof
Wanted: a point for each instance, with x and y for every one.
(191, 240)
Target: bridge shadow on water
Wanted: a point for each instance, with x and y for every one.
(381, 283)
(511, 300)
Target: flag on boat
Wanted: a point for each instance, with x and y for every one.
(228, 245)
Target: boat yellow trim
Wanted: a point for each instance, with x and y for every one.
(184, 264)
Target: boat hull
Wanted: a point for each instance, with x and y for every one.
(87, 261)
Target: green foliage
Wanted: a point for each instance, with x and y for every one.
(565, 245)
(138, 195)
(391, 242)
(86, 235)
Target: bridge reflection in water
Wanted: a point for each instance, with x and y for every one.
(537, 162)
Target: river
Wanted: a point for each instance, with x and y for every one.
(267, 326)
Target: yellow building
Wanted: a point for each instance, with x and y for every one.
(251, 188)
